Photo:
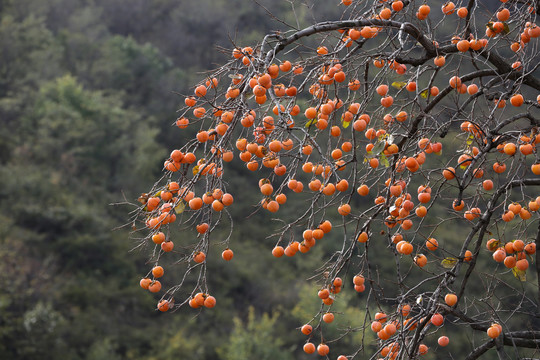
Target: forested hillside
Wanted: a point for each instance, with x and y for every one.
(88, 94)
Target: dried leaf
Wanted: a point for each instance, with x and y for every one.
(399, 84)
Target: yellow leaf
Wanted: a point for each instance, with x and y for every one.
(346, 124)
(519, 274)
(494, 245)
(449, 262)
(424, 94)
(311, 122)
(195, 169)
(180, 207)
(399, 84)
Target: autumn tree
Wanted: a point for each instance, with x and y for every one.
(412, 125)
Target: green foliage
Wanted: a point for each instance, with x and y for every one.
(254, 339)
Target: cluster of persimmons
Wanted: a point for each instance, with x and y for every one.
(340, 134)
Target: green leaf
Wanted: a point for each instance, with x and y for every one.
(449, 262)
(506, 28)
(378, 147)
(384, 160)
(519, 274)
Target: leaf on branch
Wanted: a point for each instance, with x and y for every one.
(506, 28)
(449, 262)
(195, 169)
(311, 122)
(384, 160)
(346, 124)
(424, 94)
(494, 245)
(180, 207)
(470, 139)
(519, 274)
(378, 147)
(399, 84)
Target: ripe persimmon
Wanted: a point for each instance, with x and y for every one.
(309, 348)
(227, 254)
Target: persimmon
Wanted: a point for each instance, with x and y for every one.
(493, 332)
(309, 348)
(157, 271)
(278, 251)
(455, 82)
(363, 237)
(306, 329)
(323, 349)
(450, 299)
(167, 246)
(354, 84)
(200, 90)
(382, 90)
(424, 10)
(530, 248)
(510, 149)
(510, 261)
(154, 286)
(437, 319)
(227, 254)
(328, 317)
(439, 61)
(387, 101)
(443, 341)
(449, 173)
(145, 283)
(209, 301)
(462, 12)
(448, 8)
(432, 244)
(499, 168)
(463, 46)
(163, 305)
(420, 260)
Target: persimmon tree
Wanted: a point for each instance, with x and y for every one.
(416, 125)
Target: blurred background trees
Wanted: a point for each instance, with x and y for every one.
(88, 94)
